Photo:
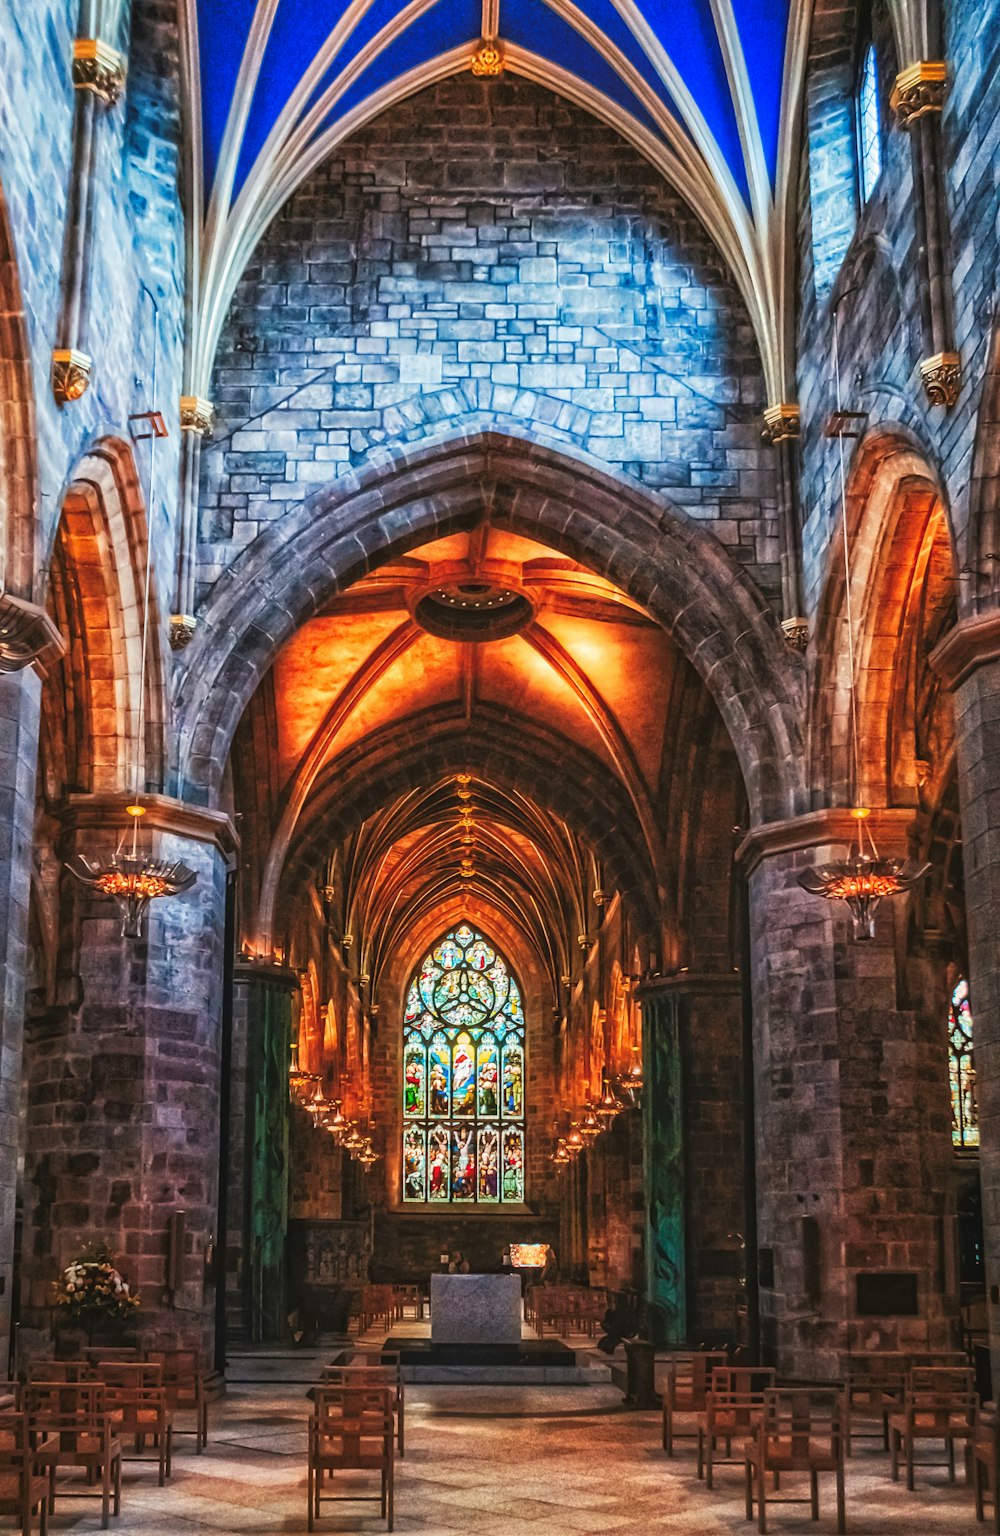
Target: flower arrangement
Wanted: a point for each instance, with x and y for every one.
(91, 1286)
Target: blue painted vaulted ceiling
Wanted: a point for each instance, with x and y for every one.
(707, 90)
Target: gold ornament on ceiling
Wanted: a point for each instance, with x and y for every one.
(487, 61)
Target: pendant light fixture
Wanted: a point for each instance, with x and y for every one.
(131, 875)
(864, 878)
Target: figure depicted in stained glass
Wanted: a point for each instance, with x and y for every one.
(513, 1085)
(463, 1066)
(488, 1074)
(513, 1164)
(463, 1083)
(962, 1070)
(489, 1163)
(437, 1147)
(413, 1079)
(463, 1163)
(413, 1164)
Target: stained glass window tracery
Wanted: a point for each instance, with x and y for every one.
(962, 1071)
(463, 1076)
(869, 126)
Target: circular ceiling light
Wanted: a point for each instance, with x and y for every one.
(473, 610)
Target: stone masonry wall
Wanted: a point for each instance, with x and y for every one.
(487, 253)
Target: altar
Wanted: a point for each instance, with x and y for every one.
(476, 1309)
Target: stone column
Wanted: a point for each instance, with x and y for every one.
(196, 417)
(852, 1120)
(969, 661)
(257, 1205)
(123, 1081)
(20, 693)
(663, 1163)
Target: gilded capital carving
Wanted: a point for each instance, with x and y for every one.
(781, 423)
(197, 414)
(941, 376)
(70, 374)
(796, 633)
(487, 61)
(182, 628)
(919, 89)
(99, 68)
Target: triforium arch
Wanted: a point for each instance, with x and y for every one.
(680, 575)
(902, 600)
(97, 596)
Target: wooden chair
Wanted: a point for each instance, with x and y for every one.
(70, 1371)
(801, 1429)
(408, 1296)
(375, 1375)
(733, 1406)
(873, 1388)
(351, 1428)
(939, 1404)
(74, 1429)
(24, 1485)
(688, 1377)
(184, 1384)
(986, 1463)
(137, 1402)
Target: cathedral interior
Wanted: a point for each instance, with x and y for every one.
(500, 691)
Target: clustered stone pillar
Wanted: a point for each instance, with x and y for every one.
(20, 694)
(852, 1125)
(123, 1079)
(257, 1204)
(969, 660)
(196, 416)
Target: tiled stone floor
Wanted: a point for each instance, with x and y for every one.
(513, 1461)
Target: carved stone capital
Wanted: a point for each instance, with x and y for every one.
(781, 422)
(99, 68)
(941, 376)
(919, 89)
(796, 633)
(890, 826)
(27, 633)
(70, 374)
(487, 61)
(197, 414)
(182, 628)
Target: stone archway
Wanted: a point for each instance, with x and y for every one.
(680, 574)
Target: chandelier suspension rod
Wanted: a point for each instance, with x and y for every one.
(150, 493)
(855, 753)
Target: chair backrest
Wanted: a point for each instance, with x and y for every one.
(733, 1410)
(390, 1376)
(352, 1426)
(60, 1370)
(14, 1444)
(177, 1365)
(123, 1376)
(64, 1399)
(741, 1378)
(804, 1421)
(941, 1378)
(96, 1352)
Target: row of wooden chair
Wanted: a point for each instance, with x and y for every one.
(181, 1378)
(807, 1428)
(565, 1308)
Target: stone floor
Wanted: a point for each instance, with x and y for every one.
(545, 1461)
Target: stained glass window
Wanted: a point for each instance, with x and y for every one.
(964, 1109)
(869, 125)
(463, 1077)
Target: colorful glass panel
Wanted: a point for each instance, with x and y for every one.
(414, 1163)
(463, 1070)
(869, 124)
(414, 1076)
(962, 1071)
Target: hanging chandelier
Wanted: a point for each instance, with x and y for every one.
(864, 878)
(607, 1106)
(131, 876)
(561, 1156)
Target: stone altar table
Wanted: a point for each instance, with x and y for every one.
(475, 1309)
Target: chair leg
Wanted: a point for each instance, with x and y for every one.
(105, 1492)
(748, 1487)
(701, 1452)
(761, 1498)
(118, 1488)
(814, 1492)
(391, 1494)
(909, 1462)
(951, 1459)
(309, 1486)
(977, 1488)
(894, 1455)
(668, 1439)
(841, 1508)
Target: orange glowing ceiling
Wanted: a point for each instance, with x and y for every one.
(584, 661)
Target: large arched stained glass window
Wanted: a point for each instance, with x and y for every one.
(964, 1109)
(463, 1077)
